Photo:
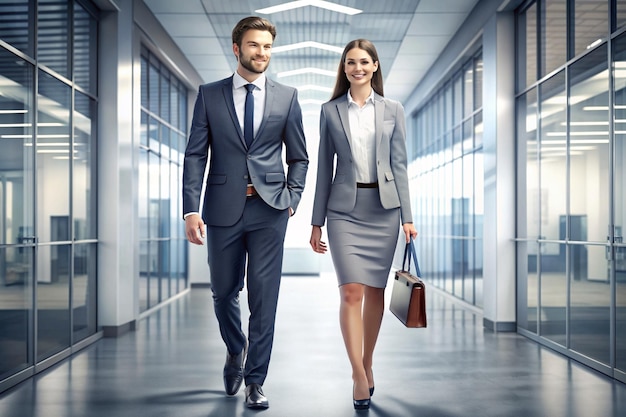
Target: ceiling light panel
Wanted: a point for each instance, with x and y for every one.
(322, 4)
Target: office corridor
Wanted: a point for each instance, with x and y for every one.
(172, 366)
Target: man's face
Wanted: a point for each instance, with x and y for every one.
(254, 54)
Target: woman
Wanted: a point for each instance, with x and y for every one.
(363, 203)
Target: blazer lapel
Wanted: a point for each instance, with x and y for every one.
(379, 114)
(227, 91)
(342, 108)
(269, 101)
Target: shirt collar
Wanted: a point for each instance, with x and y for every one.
(239, 81)
(368, 100)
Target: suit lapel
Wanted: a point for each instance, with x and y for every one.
(342, 108)
(379, 114)
(227, 91)
(269, 101)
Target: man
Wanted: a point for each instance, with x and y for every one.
(248, 199)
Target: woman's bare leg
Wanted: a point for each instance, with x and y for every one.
(373, 309)
(351, 323)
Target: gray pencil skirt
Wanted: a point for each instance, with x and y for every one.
(363, 241)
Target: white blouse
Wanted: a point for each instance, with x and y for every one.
(363, 138)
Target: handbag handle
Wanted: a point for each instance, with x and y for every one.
(409, 251)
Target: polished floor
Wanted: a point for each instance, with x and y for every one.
(171, 366)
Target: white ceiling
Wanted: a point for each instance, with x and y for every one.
(409, 35)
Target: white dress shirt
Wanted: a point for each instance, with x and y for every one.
(239, 96)
(363, 138)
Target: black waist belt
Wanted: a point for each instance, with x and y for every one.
(366, 185)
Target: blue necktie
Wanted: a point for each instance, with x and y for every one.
(248, 116)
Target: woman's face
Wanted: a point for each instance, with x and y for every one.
(359, 67)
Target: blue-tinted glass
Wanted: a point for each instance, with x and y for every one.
(53, 36)
(53, 156)
(14, 25)
(16, 280)
(84, 168)
(85, 49)
(53, 299)
(619, 190)
(16, 150)
(84, 291)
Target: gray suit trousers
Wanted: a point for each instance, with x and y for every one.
(258, 238)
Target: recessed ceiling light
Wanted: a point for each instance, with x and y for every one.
(13, 111)
(310, 87)
(307, 44)
(301, 71)
(316, 3)
(311, 101)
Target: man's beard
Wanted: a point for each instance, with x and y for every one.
(247, 64)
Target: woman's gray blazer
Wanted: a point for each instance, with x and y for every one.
(338, 191)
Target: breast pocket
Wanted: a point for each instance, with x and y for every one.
(388, 127)
(275, 121)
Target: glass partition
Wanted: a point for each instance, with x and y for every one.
(48, 216)
(162, 146)
(528, 219)
(552, 35)
(591, 24)
(619, 195)
(53, 25)
(571, 183)
(17, 234)
(448, 172)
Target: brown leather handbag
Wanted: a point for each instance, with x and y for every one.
(408, 297)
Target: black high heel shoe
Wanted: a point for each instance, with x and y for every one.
(371, 391)
(360, 404)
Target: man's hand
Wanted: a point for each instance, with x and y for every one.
(194, 229)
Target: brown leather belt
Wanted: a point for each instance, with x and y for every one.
(251, 191)
(366, 185)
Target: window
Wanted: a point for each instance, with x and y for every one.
(163, 139)
(448, 173)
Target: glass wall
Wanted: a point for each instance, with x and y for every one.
(48, 212)
(163, 139)
(569, 181)
(619, 196)
(447, 169)
(17, 236)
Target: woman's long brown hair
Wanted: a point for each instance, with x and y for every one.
(342, 84)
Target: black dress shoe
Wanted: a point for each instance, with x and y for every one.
(255, 397)
(233, 371)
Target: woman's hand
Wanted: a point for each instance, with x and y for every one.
(316, 240)
(409, 231)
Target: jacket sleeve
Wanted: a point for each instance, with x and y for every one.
(323, 184)
(296, 155)
(196, 154)
(399, 164)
